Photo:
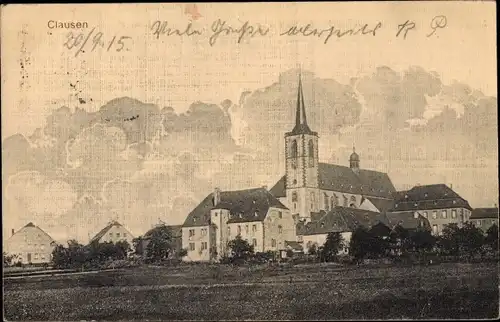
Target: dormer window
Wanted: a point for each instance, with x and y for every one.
(454, 201)
(406, 196)
(415, 204)
(256, 214)
(322, 225)
(239, 215)
(425, 195)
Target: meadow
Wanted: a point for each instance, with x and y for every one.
(214, 292)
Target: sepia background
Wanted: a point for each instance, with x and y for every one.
(423, 109)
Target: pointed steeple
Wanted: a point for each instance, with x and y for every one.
(301, 126)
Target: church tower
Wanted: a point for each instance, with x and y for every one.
(301, 149)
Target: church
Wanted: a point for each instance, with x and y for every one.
(309, 186)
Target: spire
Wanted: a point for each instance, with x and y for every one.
(301, 126)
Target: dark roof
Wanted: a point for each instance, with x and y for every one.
(479, 213)
(436, 196)
(244, 206)
(341, 219)
(334, 177)
(407, 220)
(176, 231)
(103, 231)
(279, 189)
(293, 245)
(382, 205)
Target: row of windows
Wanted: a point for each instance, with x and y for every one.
(480, 222)
(444, 214)
(117, 235)
(238, 229)
(192, 232)
(329, 202)
(204, 246)
(42, 247)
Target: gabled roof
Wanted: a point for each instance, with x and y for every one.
(382, 205)
(341, 219)
(407, 220)
(103, 231)
(435, 196)
(244, 206)
(339, 178)
(31, 225)
(480, 213)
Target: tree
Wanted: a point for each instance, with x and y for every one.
(359, 246)
(333, 244)
(492, 237)
(313, 249)
(9, 259)
(160, 243)
(399, 240)
(182, 252)
(471, 239)
(241, 250)
(421, 241)
(449, 241)
(138, 245)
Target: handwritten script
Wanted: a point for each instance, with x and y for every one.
(245, 31)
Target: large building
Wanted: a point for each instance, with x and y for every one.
(484, 218)
(31, 245)
(438, 203)
(113, 232)
(254, 214)
(310, 186)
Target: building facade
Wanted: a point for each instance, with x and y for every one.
(484, 218)
(113, 232)
(31, 245)
(175, 230)
(253, 214)
(438, 203)
(310, 186)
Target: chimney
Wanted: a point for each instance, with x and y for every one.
(13, 231)
(216, 196)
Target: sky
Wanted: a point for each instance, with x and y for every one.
(422, 108)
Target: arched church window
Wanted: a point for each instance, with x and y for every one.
(294, 196)
(327, 204)
(311, 153)
(294, 149)
(313, 200)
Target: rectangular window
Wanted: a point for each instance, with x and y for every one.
(42, 247)
(434, 229)
(479, 223)
(443, 214)
(110, 235)
(425, 214)
(124, 234)
(229, 231)
(273, 242)
(254, 228)
(204, 246)
(254, 242)
(36, 255)
(280, 215)
(203, 231)
(191, 232)
(246, 229)
(238, 229)
(43, 256)
(434, 214)
(191, 246)
(280, 230)
(117, 235)
(453, 214)
(300, 238)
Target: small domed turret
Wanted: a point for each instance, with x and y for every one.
(354, 159)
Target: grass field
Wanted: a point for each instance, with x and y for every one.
(205, 292)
